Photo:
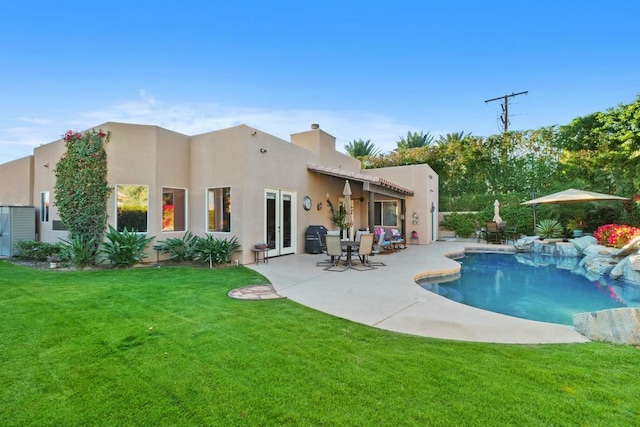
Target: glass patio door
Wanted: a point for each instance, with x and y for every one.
(280, 222)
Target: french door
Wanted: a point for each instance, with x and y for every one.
(280, 221)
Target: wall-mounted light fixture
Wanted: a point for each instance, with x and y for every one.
(46, 165)
(254, 133)
(263, 150)
(319, 206)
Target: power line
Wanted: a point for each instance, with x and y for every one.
(505, 107)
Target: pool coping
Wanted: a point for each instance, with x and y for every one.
(389, 297)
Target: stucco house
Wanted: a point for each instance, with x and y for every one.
(236, 182)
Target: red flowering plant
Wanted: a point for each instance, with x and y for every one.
(615, 235)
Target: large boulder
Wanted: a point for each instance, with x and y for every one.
(600, 250)
(582, 242)
(624, 270)
(618, 325)
(566, 250)
(630, 248)
(525, 244)
(600, 265)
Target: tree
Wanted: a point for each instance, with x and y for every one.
(604, 148)
(414, 140)
(453, 137)
(360, 148)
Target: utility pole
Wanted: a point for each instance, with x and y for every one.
(505, 107)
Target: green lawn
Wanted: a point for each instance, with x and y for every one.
(167, 346)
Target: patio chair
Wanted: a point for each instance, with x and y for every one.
(365, 249)
(480, 231)
(334, 250)
(494, 233)
(511, 233)
(376, 249)
(323, 247)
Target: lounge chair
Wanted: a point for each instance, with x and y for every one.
(382, 241)
(396, 239)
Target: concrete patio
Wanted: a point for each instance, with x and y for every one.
(389, 298)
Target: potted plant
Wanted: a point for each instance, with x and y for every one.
(337, 217)
(576, 226)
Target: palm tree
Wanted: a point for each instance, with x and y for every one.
(453, 137)
(414, 140)
(359, 148)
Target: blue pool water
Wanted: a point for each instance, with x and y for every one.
(533, 287)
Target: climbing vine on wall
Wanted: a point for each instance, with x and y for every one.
(81, 189)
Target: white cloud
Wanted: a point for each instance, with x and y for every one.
(195, 118)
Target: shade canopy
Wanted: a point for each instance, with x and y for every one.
(573, 196)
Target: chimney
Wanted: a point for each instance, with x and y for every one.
(315, 126)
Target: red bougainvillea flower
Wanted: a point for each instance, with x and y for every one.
(101, 134)
(615, 235)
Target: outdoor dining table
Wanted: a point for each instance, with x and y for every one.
(348, 245)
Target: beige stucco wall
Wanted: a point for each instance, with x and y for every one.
(16, 182)
(151, 156)
(46, 158)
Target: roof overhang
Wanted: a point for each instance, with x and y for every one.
(370, 183)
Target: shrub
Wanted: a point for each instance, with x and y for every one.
(33, 249)
(180, 248)
(463, 224)
(549, 228)
(614, 235)
(79, 251)
(215, 251)
(125, 248)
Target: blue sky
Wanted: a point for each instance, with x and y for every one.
(361, 69)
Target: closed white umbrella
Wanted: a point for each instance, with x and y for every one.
(348, 217)
(496, 212)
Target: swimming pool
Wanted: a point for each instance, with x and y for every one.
(533, 286)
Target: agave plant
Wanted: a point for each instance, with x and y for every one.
(216, 251)
(126, 248)
(180, 248)
(549, 229)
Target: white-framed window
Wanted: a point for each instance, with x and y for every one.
(219, 209)
(174, 209)
(386, 213)
(44, 206)
(132, 207)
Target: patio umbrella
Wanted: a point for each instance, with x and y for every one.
(496, 212)
(573, 196)
(348, 217)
